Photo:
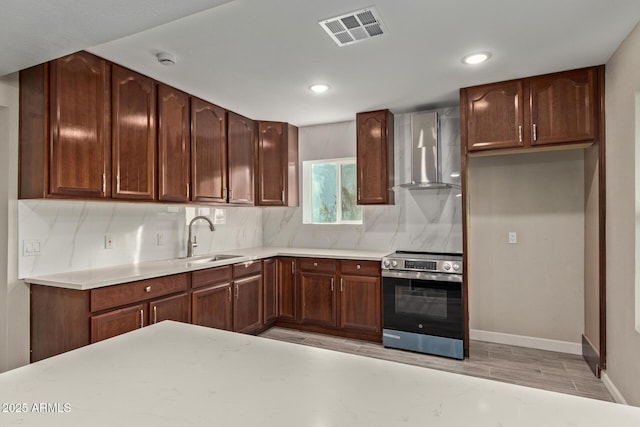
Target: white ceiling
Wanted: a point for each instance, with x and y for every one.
(258, 57)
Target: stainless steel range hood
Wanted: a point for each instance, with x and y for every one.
(433, 146)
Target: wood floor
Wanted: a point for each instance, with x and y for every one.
(560, 372)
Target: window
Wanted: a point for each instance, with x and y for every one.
(329, 192)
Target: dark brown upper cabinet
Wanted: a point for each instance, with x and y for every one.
(277, 168)
(65, 138)
(133, 132)
(375, 157)
(241, 149)
(548, 110)
(208, 152)
(174, 153)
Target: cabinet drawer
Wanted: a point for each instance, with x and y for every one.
(316, 264)
(128, 293)
(250, 268)
(360, 268)
(211, 276)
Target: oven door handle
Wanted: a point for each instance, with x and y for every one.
(421, 275)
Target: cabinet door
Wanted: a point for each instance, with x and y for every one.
(269, 294)
(317, 298)
(563, 108)
(134, 135)
(495, 117)
(247, 310)
(360, 307)
(80, 144)
(117, 322)
(272, 164)
(241, 155)
(375, 157)
(173, 144)
(171, 308)
(212, 307)
(287, 305)
(208, 152)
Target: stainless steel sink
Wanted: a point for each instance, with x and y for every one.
(214, 258)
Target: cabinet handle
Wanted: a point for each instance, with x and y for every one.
(237, 292)
(520, 133)
(155, 314)
(142, 318)
(118, 184)
(332, 284)
(147, 289)
(229, 289)
(341, 284)
(187, 190)
(535, 132)
(230, 193)
(293, 269)
(224, 193)
(282, 196)
(104, 183)
(359, 193)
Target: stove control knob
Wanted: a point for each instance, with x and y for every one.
(386, 263)
(447, 266)
(456, 267)
(394, 263)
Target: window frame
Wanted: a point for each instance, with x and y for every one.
(307, 199)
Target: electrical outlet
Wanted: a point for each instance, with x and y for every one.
(513, 237)
(31, 247)
(160, 239)
(108, 241)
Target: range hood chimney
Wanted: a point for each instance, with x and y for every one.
(433, 147)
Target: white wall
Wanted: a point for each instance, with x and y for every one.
(14, 294)
(533, 288)
(623, 341)
(420, 220)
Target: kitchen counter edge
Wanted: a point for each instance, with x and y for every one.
(108, 276)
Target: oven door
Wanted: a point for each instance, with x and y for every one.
(423, 303)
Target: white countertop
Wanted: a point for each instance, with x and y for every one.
(99, 277)
(174, 374)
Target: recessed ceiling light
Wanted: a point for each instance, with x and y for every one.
(476, 58)
(319, 88)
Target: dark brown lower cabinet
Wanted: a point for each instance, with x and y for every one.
(211, 299)
(211, 307)
(176, 308)
(286, 285)
(337, 297)
(317, 298)
(360, 307)
(269, 293)
(117, 322)
(247, 309)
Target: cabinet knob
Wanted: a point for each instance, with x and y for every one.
(147, 289)
(315, 264)
(357, 266)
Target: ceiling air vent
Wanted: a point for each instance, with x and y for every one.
(354, 27)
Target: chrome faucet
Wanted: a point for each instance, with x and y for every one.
(192, 243)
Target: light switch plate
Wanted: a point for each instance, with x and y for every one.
(513, 237)
(31, 247)
(108, 241)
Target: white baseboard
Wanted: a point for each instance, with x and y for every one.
(524, 341)
(615, 393)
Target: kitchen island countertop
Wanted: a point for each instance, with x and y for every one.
(174, 374)
(107, 276)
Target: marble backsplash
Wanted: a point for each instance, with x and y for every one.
(71, 234)
(420, 220)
